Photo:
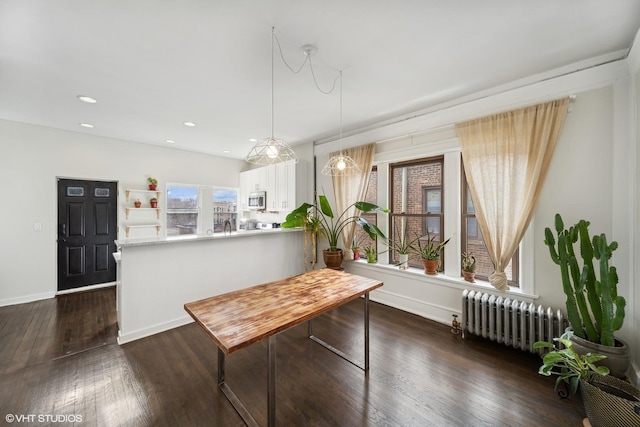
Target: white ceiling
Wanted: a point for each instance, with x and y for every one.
(153, 64)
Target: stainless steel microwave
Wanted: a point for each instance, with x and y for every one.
(257, 200)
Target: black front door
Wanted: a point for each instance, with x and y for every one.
(87, 230)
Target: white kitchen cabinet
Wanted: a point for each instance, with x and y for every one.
(285, 184)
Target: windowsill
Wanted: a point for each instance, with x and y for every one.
(440, 279)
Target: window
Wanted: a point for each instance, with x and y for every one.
(225, 209)
(416, 203)
(182, 210)
(473, 243)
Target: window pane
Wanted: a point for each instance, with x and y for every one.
(225, 209)
(473, 243)
(182, 210)
(416, 204)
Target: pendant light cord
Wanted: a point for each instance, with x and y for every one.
(307, 59)
(273, 34)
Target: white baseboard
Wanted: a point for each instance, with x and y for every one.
(86, 288)
(421, 308)
(26, 298)
(152, 330)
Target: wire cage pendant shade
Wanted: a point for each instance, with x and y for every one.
(268, 151)
(271, 150)
(340, 165)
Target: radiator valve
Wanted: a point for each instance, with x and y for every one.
(455, 325)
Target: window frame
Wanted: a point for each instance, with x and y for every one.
(438, 158)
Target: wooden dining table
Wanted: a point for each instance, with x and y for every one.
(238, 319)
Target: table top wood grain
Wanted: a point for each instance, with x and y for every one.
(237, 319)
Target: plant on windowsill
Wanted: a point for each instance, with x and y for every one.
(607, 399)
(594, 308)
(153, 202)
(153, 183)
(331, 225)
(371, 254)
(355, 247)
(403, 246)
(430, 252)
(469, 267)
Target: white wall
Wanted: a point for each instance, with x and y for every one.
(31, 157)
(592, 176)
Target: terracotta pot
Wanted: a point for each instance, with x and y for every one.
(332, 259)
(469, 276)
(618, 358)
(153, 187)
(154, 204)
(430, 266)
(137, 204)
(356, 254)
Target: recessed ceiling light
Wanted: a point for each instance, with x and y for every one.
(170, 141)
(86, 125)
(87, 99)
(226, 151)
(253, 140)
(189, 124)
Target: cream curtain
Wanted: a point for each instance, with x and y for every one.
(506, 157)
(352, 188)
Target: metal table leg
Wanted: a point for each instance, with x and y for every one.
(230, 395)
(364, 367)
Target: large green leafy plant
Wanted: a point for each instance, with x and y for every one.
(569, 365)
(331, 225)
(594, 308)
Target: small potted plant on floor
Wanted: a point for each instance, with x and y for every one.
(154, 202)
(153, 183)
(468, 267)
(429, 251)
(608, 401)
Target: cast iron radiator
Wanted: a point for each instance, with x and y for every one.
(509, 321)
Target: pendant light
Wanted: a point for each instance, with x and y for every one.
(341, 164)
(270, 150)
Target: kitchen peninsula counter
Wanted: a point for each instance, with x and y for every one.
(202, 237)
(157, 276)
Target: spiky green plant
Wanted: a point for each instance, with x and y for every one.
(594, 308)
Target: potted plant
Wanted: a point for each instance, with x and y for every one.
(137, 203)
(330, 226)
(153, 183)
(371, 254)
(154, 202)
(608, 401)
(355, 247)
(469, 267)
(402, 245)
(594, 308)
(429, 251)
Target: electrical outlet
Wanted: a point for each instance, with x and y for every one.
(37, 226)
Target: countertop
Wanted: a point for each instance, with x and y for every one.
(201, 237)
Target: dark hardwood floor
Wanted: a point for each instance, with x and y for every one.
(59, 357)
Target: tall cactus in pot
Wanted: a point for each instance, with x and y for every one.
(594, 308)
